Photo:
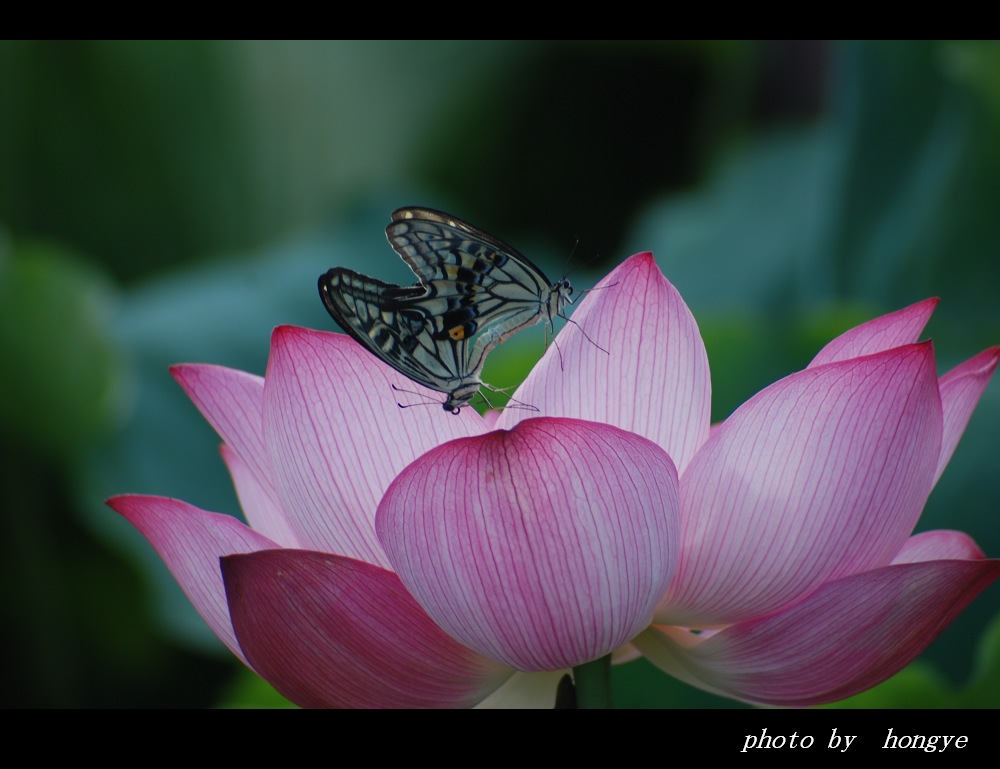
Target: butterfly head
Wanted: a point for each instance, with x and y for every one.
(560, 294)
(461, 397)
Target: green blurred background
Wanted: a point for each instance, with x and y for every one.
(167, 202)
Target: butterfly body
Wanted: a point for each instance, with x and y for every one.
(474, 292)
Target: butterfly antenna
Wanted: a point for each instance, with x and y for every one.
(430, 402)
(596, 288)
(596, 257)
(569, 257)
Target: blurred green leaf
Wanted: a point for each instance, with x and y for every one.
(638, 684)
(155, 153)
(249, 690)
(917, 686)
(919, 176)
(983, 688)
(61, 381)
(748, 239)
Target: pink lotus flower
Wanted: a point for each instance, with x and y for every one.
(409, 558)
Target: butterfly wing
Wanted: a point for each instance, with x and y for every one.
(400, 326)
(484, 284)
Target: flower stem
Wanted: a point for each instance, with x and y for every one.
(593, 683)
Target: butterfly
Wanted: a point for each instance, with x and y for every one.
(474, 292)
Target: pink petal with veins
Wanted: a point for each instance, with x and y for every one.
(542, 547)
(939, 545)
(961, 389)
(821, 475)
(336, 437)
(880, 334)
(631, 357)
(328, 631)
(257, 502)
(232, 403)
(190, 542)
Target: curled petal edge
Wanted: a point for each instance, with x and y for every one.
(939, 545)
(846, 637)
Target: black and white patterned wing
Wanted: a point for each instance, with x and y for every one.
(485, 285)
(403, 328)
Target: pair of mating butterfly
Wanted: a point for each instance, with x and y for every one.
(474, 292)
